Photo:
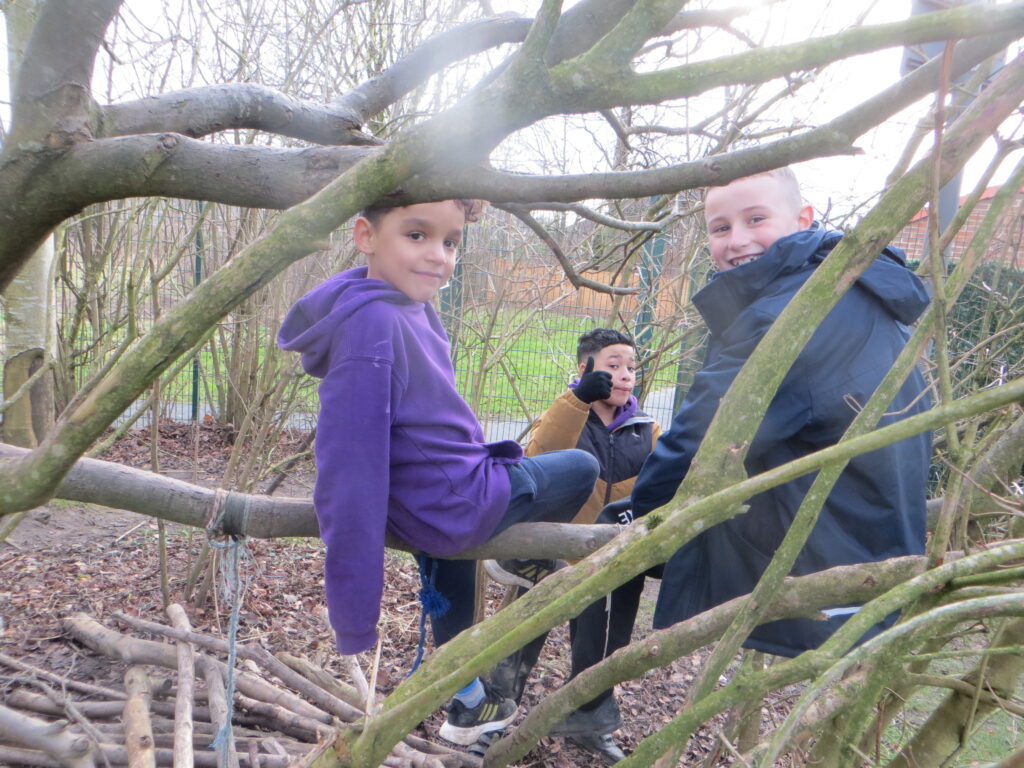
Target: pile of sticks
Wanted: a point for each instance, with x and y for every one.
(286, 711)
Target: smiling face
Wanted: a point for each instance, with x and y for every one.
(746, 217)
(412, 247)
(620, 361)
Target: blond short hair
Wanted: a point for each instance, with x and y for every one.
(786, 178)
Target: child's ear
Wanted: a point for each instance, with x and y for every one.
(363, 235)
(805, 217)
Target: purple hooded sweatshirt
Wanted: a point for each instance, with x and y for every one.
(397, 448)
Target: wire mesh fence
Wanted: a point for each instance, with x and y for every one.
(512, 314)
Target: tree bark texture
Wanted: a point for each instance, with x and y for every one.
(148, 735)
(183, 749)
(31, 326)
(138, 727)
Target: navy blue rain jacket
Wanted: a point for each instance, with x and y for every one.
(876, 509)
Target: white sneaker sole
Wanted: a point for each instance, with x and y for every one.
(500, 575)
(466, 737)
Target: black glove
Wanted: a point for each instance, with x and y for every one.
(618, 512)
(593, 385)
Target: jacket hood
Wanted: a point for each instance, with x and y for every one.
(624, 414)
(310, 326)
(888, 279)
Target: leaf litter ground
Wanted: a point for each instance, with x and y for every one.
(68, 557)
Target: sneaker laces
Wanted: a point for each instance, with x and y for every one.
(534, 570)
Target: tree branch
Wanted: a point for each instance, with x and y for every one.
(575, 278)
(603, 87)
(209, 109)
(106, 483)
(369, 98)
(833, 138)
(609, 221)
(705, 17)
(646, 19)
(176, 166)
(801, 598)
(53, 84)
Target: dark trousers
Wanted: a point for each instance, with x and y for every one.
(604, 626)
(550, 488)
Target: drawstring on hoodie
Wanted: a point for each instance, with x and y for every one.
(432, 603)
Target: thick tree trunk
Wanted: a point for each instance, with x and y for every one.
(31, 323)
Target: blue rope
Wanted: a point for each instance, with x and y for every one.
(233, 587)
(233, 590)
(432, 602)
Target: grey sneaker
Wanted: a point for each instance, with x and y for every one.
(521, 573)
(465, 725)
(604, 718)
(479, 749)
(600, 744)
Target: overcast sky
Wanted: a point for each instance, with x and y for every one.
(839, 180)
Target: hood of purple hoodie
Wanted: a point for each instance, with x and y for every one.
(312, 323)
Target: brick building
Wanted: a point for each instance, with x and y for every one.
(1007, 245)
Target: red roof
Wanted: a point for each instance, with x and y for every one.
(989, 192)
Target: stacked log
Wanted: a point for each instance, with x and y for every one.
(285, 710)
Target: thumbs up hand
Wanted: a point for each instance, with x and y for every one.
(593, 385)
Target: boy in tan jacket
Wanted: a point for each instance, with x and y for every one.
(598, 414)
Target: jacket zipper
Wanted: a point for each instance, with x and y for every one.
(611, 464)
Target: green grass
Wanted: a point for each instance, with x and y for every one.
(510, 369)
(993, 738)
(512, 373)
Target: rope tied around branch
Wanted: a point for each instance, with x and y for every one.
(233, 586)
(432, 602)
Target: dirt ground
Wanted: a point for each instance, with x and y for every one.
(68, 557)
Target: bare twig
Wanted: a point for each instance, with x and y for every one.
(138, 727)
(183, 749)
(218, 705)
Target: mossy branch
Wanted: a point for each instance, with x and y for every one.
(647, 542)
(799, 599)
(832, 138)
(828, 663)
(646, 19)
(603, 89)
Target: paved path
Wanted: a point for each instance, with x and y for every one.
(658, 404)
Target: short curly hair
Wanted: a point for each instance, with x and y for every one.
(471, 207)
(599, 338)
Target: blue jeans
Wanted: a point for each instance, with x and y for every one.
(550, 488)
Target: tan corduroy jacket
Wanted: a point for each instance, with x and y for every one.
(567, 423)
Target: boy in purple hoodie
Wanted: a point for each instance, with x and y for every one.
(399, 451)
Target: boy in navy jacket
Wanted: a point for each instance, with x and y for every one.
(765, 243)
